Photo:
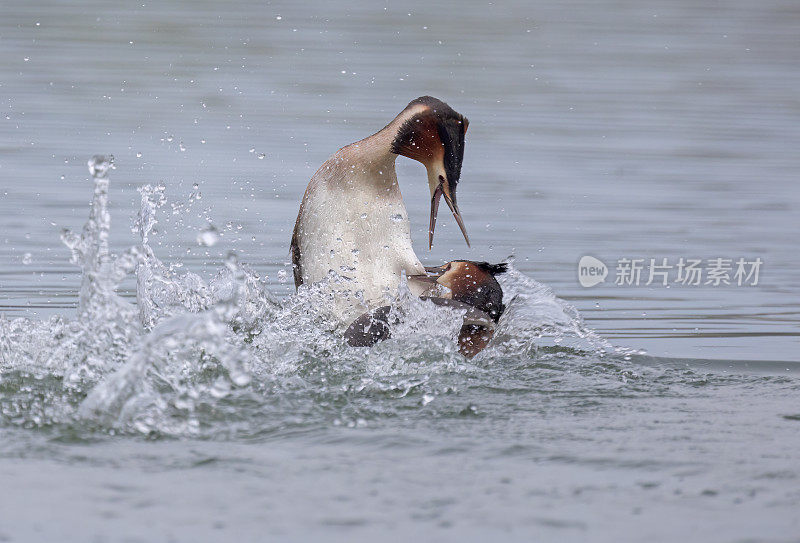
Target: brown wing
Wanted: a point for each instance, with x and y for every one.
(295, 249)
(370, 328)
(473, 338)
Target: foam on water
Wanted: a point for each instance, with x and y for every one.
(224, 357)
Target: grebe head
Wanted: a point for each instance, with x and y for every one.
(473, 283)
(432, 133)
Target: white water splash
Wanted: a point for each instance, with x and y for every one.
(178, 360)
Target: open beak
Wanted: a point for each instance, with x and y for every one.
(443, 189)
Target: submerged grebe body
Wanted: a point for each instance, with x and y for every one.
(352, 219)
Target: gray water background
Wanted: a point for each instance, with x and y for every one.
(616, 129)
(638, 129)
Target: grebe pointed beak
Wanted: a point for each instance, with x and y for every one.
(423, 278)
(437, 195)
(450, 197)
(436, 271)
(444, 189)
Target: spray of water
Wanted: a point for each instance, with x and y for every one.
(223, 356)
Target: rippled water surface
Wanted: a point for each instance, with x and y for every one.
(160, 379)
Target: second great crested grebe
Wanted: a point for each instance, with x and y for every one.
(471, 286)
(352, 219)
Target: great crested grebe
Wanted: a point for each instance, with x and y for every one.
(352, 219)
(469, 285)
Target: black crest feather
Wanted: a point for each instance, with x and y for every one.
(492, 269)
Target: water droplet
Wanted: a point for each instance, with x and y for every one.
(261, 156)
(138, 155)
(355, 252)
(196, 194)
(282, 276)
(27, 258)
(252, 149)
(208, 237)
(181, 146)
(99, 166)
(363, 215)
(397, 217)
(240, 379)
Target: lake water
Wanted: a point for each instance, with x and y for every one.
(636, 130)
